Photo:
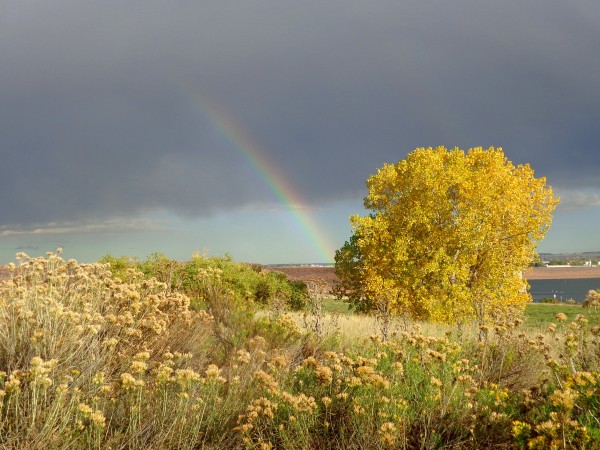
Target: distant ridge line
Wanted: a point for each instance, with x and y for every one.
(316, 265)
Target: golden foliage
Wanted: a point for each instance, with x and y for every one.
(450, 233)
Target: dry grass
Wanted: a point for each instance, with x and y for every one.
(89, 361)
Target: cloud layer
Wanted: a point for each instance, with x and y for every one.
(100, 110)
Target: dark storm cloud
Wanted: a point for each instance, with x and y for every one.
(99, 115)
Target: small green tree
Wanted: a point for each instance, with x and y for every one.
(350, 285)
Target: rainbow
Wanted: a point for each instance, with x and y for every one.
(273, 178)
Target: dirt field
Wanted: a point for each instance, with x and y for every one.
(537, 273)
(547, 273)
(305, 273)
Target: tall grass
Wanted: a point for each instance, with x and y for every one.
(539, 315)
(88, 360)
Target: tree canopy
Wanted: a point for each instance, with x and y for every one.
(448, 236)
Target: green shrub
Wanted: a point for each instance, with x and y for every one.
(248, 282)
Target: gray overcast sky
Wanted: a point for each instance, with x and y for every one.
(106, 145)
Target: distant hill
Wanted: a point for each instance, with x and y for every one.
(574, 256)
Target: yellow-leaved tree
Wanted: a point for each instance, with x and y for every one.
(448, 238)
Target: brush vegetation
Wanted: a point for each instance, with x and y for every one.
(246, 282)
(89, 359)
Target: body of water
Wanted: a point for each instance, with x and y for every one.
(563, 290)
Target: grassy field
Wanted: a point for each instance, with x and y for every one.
(536, 316)
(540, 315)
(92, 361)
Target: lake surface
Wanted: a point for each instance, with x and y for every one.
(563, 290)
